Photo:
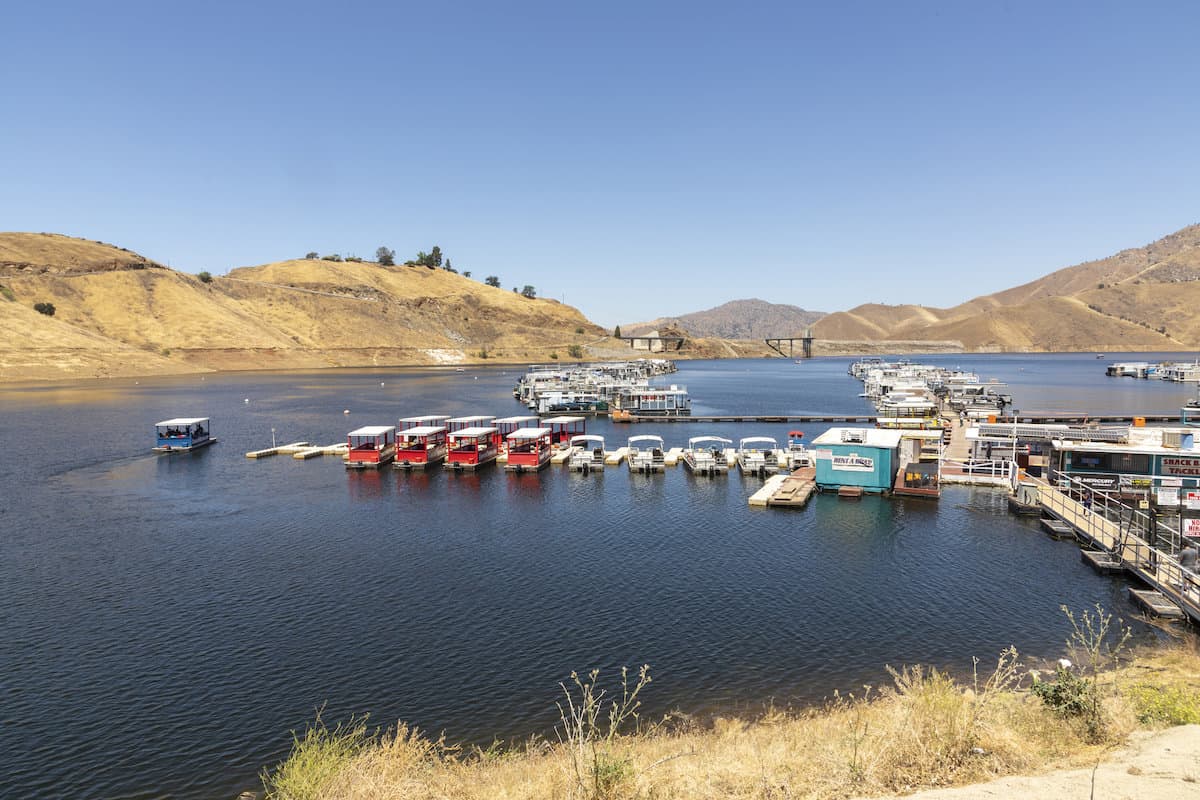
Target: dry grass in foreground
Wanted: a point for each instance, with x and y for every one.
(924, 730)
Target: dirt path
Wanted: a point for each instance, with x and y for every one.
(1154, 765)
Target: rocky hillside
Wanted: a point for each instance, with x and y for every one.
(117, 313)
(1146, 298)
(737, 319)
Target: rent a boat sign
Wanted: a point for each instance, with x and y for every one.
(852, 463)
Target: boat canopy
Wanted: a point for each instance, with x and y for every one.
(470, 420)
(424, 420)
(795, 434)
(752, 440)
(645, 437)
(513, 420)
(466, 433)
(695, 440)
(587, 437)
(181, 421)
(528, 433)
(372, 430)
(563, 420)
(422, 430)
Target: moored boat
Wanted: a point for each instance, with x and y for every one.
(370, 447)
(756, 455)
(646, 453)
(705, 455)
(590, 453)
(797, 455)
(563, 428)
(420, 447)
(529, 449)
(182, 434)
(471, 448)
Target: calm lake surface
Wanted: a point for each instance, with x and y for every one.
(168, 620)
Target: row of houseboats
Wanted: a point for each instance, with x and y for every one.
(910, 396)
(621, 388)
(1178, 371)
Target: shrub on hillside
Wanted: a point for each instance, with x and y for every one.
(45, 308)
(205, 277)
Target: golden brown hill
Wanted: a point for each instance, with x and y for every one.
(1146, 298)
(132, 316)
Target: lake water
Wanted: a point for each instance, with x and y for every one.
(168, 620)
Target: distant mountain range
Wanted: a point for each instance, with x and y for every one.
(1147, 298)
(737, 319)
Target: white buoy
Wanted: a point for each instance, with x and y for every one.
(347, 411)
(381, 383)
(247, 400)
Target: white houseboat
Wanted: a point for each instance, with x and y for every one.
(651, 401)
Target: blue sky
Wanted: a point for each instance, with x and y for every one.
(632, 159)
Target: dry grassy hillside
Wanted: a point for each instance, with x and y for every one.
(118, 313)
(27, 253)
(737, 319)
(1143, 298)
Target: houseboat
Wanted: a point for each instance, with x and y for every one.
(1190, 413)
(529, 449)
(756, 455)
(471, 448)
(563, 428)
(460, 423)
(652, 401)
(797, 455)
(705, 455)
(1180, 372)
(907, 411)
(370, 447)
(590, 454)
(420, 447)
(426, 421)
(646, 454)
(182, 434)
(554, 402)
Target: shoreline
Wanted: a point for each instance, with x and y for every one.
(925, 732)
(305, 365)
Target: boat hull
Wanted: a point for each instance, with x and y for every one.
(168, 449)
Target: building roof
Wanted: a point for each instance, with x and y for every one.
(862, 437)
(1148, 441)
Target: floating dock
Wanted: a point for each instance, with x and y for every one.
(615, 457)
(1156, 603)
(1058, 529)
(673, 456)
(787, 491)
(301, 450)
(564, 455)
(1101, 561)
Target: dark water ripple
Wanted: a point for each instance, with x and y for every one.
(167, 621)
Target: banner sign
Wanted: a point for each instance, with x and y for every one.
(1179, 465)
(1191, 528)
(1102, 482)
(853, 463)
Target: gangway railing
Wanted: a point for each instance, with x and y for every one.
(1122, 531)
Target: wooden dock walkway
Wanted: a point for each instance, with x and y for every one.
(301, 450)
(1049, 417)
(1159, 570)
(787, 491)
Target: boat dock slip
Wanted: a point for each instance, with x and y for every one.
(339, 449)
(1156, 603)
(787, 491)
(616, 456)
(672, 456)
(870, 419)
(564, 455)
(1100, 561)
(1058, 529)
(280, 449)
(768, 490)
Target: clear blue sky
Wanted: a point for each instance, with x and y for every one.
(635, 159)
